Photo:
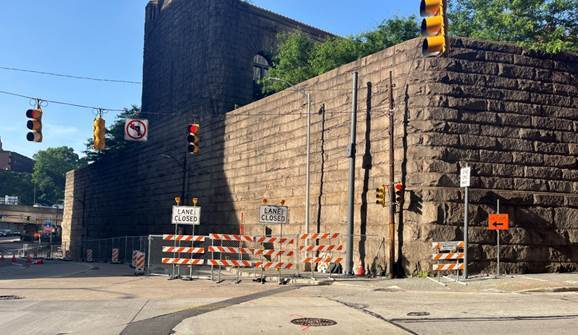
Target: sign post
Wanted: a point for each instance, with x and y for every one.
(465, 174)
(498, 222)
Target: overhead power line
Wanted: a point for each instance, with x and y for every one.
(60, 102)
(71, 76)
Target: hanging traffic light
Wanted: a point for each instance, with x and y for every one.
(398, 193)
(34, 124)
(193, 139)
(434, 27)
(99, 133)
(380, 195)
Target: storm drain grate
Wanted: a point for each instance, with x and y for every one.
(417, 314)
(313, 322)
(10, 297)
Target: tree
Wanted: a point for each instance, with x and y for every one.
(19, 184)
(114, 137)
(49, 173)
(546, 25)
(299, 58)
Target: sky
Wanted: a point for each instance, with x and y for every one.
(104, 39)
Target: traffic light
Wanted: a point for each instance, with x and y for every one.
(398, 193)
(34, 124)
(193, 139)
(99, 132)
(380, 195)
(434, 27)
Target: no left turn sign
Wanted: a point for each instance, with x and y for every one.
(136, 130)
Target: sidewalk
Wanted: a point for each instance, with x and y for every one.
(548, 282)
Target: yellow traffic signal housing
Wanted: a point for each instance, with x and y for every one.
(99, 133)
(380, 195)
(34, 124)
(434, 27)
(193, 139)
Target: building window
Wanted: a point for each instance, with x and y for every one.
(260, 70)
(260, 67)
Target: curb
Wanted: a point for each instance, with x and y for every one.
(559, 289)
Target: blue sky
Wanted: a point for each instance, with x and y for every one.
(104, 39)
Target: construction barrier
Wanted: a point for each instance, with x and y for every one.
(114, 258)
(449, 256)
(177, 250)
(232, 252)
(320, 256)
(276, 257)
(89, 256)
(138, 262)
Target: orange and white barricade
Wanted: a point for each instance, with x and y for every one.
(448, 256)
(114, 258)
(89, 256)
(138, 262)
(194, 255)
(275, 253)
(321, 255)
(231, 252)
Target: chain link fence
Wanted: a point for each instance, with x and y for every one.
(101, 249)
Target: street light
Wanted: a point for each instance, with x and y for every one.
(308, 170)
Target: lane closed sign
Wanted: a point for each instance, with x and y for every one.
(187, 215)
(273, 214)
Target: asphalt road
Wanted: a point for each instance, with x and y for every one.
(80, 298)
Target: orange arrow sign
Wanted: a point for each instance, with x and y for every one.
(499, 222)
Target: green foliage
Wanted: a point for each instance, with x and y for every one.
(299, 58)
(547, 25)
(114, 137)
(49, 173)
(19, 184)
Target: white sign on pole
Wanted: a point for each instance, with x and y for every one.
(136, 130)
(269, 214)
(187, 215)
(465, 176)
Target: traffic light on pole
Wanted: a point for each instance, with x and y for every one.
(34, 124)
(99, 133)
(380, 195)
(193, 139)
(434, 27)
(398, 193)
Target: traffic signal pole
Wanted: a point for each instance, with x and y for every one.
(351, 192)
(391, 225)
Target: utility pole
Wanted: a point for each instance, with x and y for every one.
(391, 218)
(351, 198)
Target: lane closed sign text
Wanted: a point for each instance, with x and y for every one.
(273, 214)
(187, 215)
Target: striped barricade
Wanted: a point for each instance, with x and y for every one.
(229, 250)
(184, 238)
(176, 261)
(114, 258)
(274, 265)
(273, 239)
(89, 255)
(320, 255)
(273, 252)
(183, 261)
(448, 256)
(319, 236)
(184, 250)
(229, 237)
(138, 262)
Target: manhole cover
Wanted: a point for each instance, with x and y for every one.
(10, 297)
(313, 322)
(417, 314)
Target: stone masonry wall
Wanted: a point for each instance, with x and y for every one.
(510, 114)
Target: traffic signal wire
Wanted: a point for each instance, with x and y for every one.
(71, 76)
